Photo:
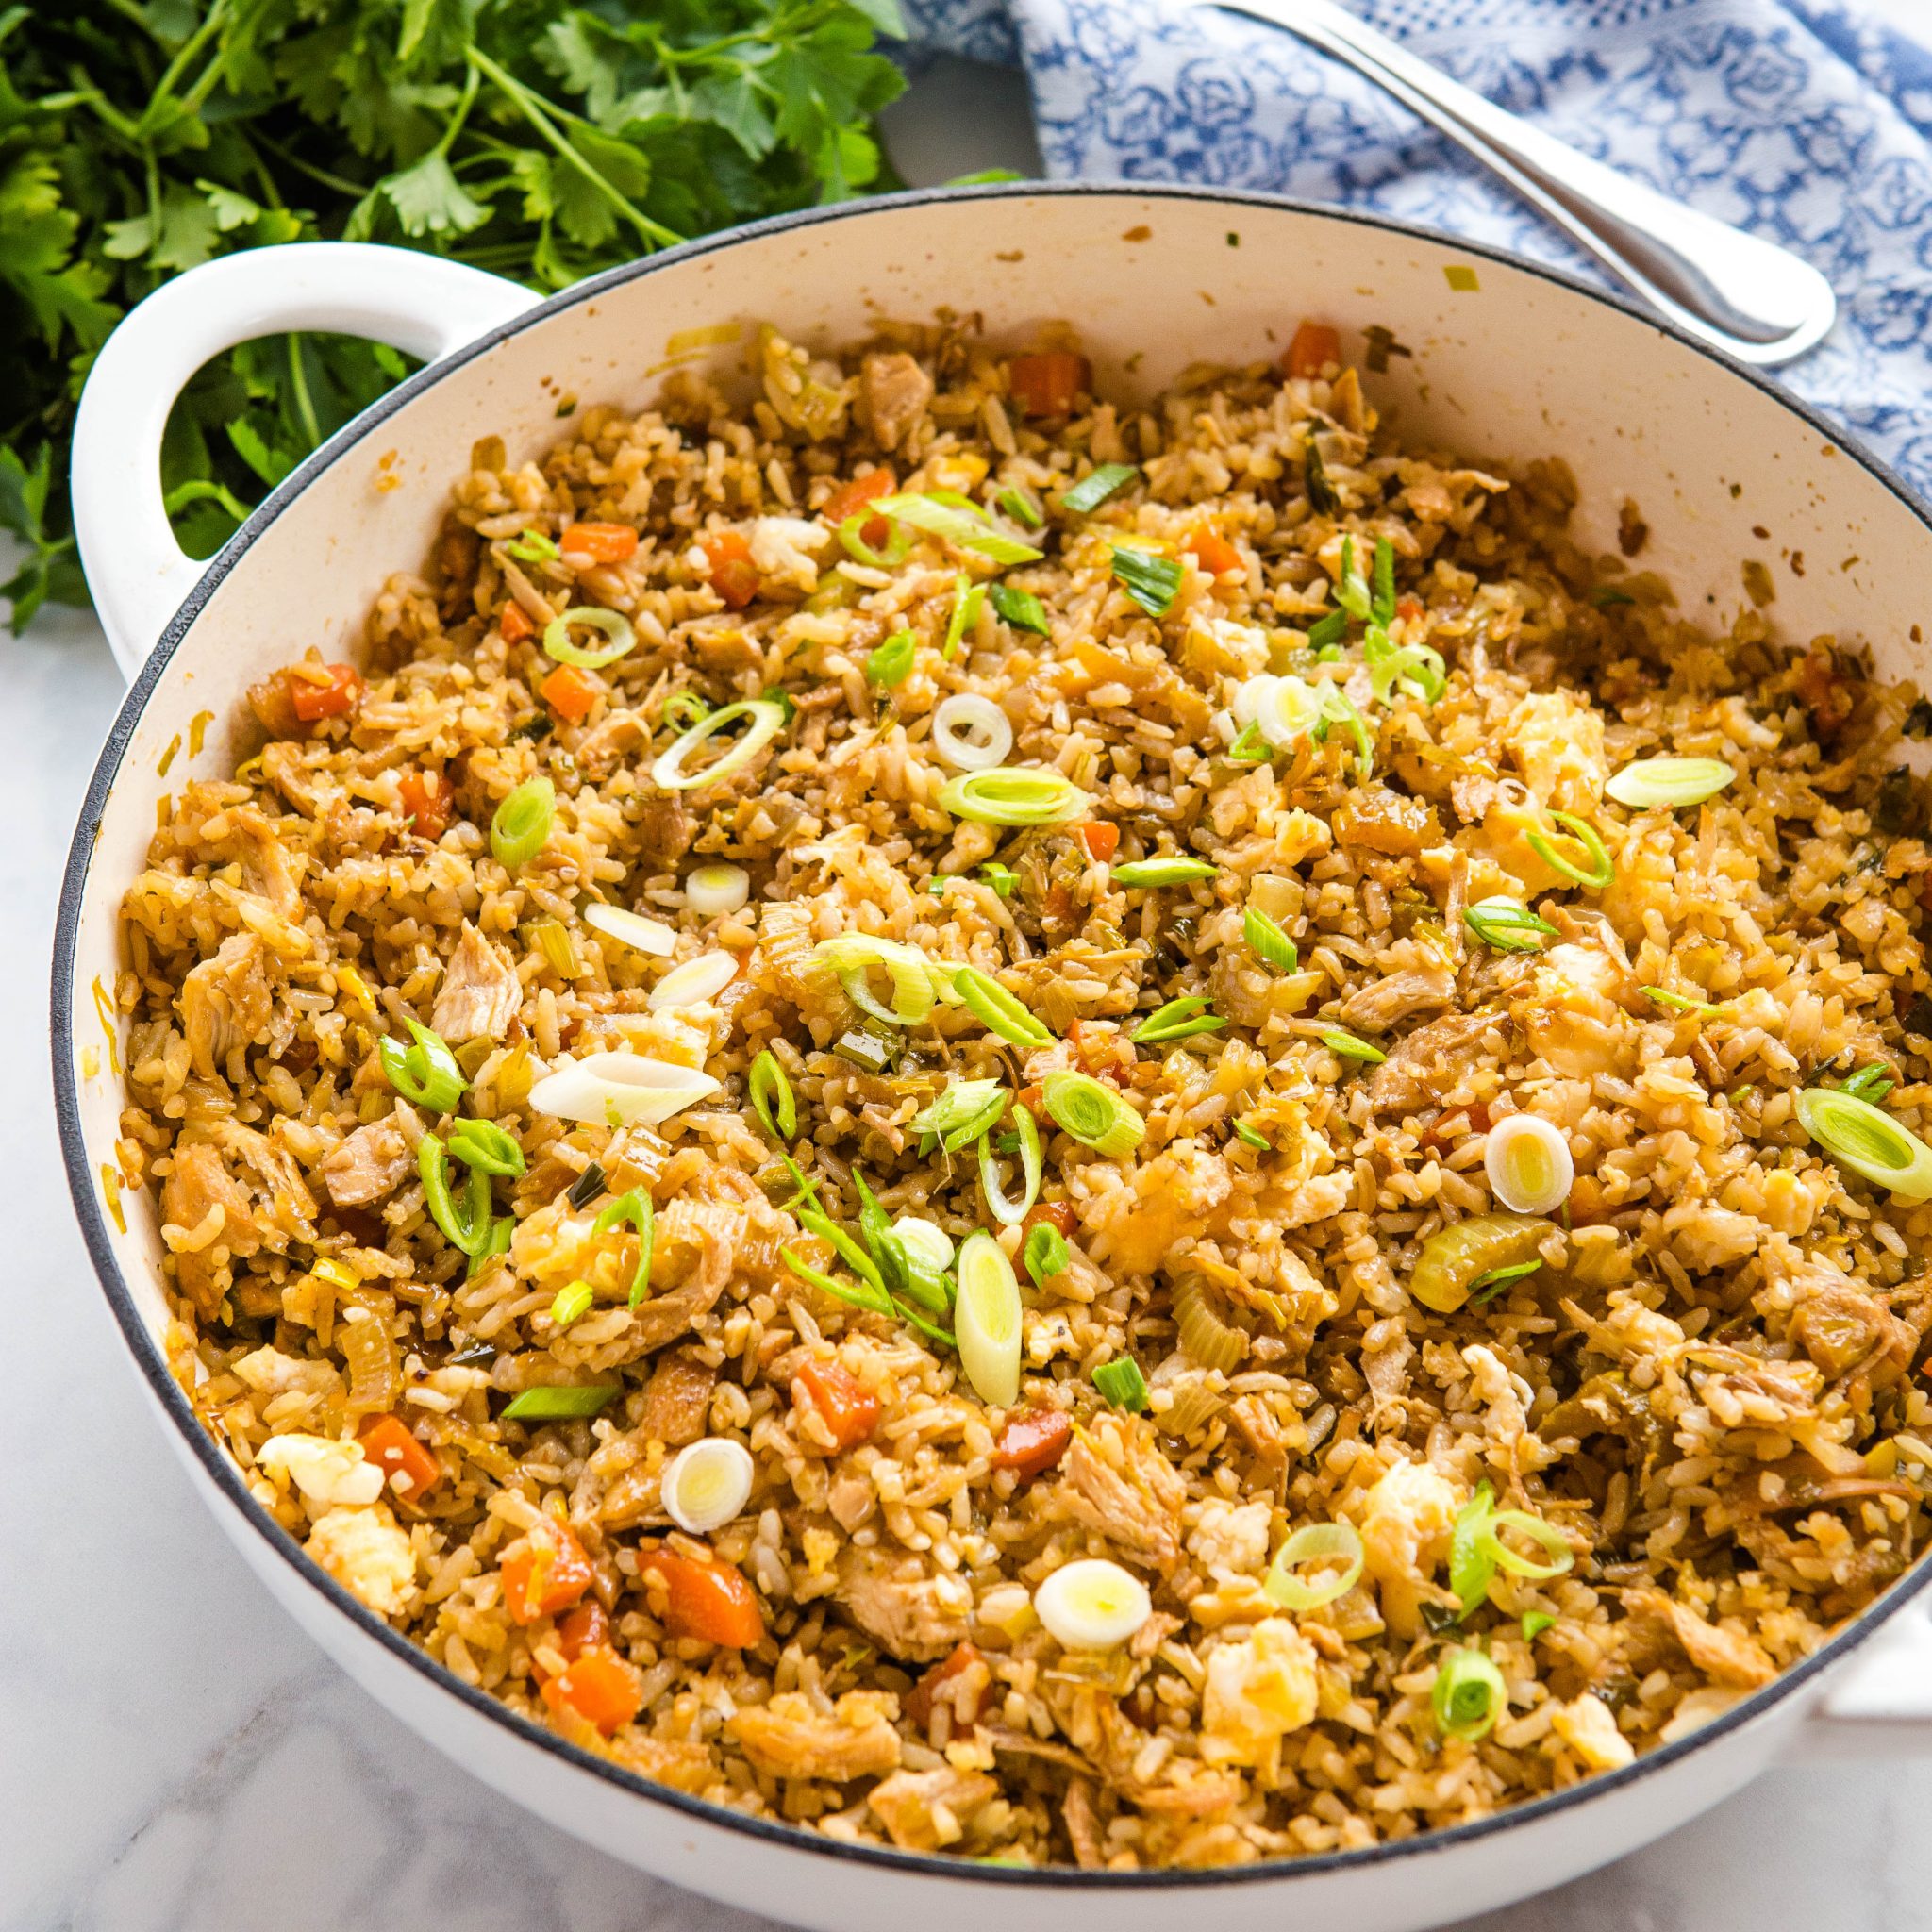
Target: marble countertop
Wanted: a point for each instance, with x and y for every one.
(175, 1753)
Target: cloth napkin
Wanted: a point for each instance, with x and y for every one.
(1799, 120)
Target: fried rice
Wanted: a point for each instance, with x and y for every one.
(1691, 1389)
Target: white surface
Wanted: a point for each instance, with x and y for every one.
(174, 1754)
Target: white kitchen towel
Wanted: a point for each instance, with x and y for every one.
(1797, 119)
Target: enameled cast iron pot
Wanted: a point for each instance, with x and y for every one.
(1505, 360)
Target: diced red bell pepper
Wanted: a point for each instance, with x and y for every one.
(1314, 346)
(848, 1408)
(568, 694)
(1049, 384)
(853, 496)
(1033, 1442)
(705, 1599)
(600, 542)
(336, 699)
(545, 1572)
(1057, 1214)
(727, 558)
(410, 1467)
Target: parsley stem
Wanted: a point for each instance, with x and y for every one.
(534, 112)
(305, 406)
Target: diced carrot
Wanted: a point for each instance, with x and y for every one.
(934, 1684)
(568, 694)
(545, 1572)
(848, 1408)
(1212, 552)
(515, 622)
(705, 1599)
(587, 1627)
(1315, 345)
(1057, 1214)
(853, 496)
(335, 699)
(1049, 384)
(412, 1470)
(734, 576)
(1410, 608)
(1101, 840)
(430, 800)
(600, 542)
(600, 1688)
(1033, 1442)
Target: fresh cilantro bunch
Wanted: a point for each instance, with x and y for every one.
(539, 139)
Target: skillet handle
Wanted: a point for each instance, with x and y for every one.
(1880, 1704)
(418, 303)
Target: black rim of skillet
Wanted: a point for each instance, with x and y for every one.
(226, 1477)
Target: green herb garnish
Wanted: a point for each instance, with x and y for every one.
(1092, 490)
(1123, 1384)
(1153, 581)
(1021, 608)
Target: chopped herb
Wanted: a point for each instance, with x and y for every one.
(1151, 581)
(1918, 721)
(1045, 1252)
(540, 726)
(1872, 1083)
(1177, 1020)
(1249, 1136)
(1351, 1048)
(1123, 1384)
(1020, 506)
(586, 1186)
(1092, 490)
(777, 694)
(572, 1302)
(1603, 595)
(1322, 498)
(1326, 632)
(1021, 608)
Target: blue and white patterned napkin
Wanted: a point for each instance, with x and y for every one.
(1797, 119)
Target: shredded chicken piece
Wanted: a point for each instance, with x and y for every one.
(1726, 1654)
(923, 1811)
(895, 391)
(209, 1206)
(1426, 1063)
(708, 1232)
(1083, 1824)
(1116, 1481)
(1395, 997)
(480, 992)
(677, 1400)
(224, 1004)
(790, 1737)
(908, 1610)
(1705, 1239)
(371, 1163)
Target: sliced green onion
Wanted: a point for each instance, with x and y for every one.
(926, 1240)
(1349, 1045)
(1471, 1569)
(1417, 669)
(967, 598)
(1177, 1020)
(1151, 580)
(1002, 878)
(1528, 1164)
(1486, 1287)
(962, 1113)
(466, 1227)
(852, 955)
(997, 1010)
(1873, 1083)
(1251, 1136)
(1323, 499)
(1092, 1113)
(549, 938)
(1171, 870)
(964, 528)
(1248, 747)
(1653, 782)
(1868, 1141)
(1665, 997)
(767, 720)
(1603, 595)
(557, 1403)
(1382, 594)
(532, 546)
(1011, 1213)
(777, 694)
(501, 1231)
(848, 1250)
(1329, 631)
(571, 1303)
(985, 1321)
(1267, 941)
(1317, 1542)
(684, 708)
(771, 1096)
(1123, 1384)
(892, 663)
(1019, 608)
(617, 627)
(1019, 505)
(1508, 924)
(870, 1296)
(426, 1073)
(521, 827)
(636, 1210)
(1534, 1624)
(1469, 1695)
(1602, 868)
(1337, 708)
(1014, 795)
(1092, 490)
(1555, 1544)
(852, 536)
(1352, 588)
(1046, 1252)
(484, 1144)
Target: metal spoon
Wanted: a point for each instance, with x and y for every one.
(1752, 298)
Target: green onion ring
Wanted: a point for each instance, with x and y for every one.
(426, 1073)
(1002, 1210)
(767, 720)
(1562, 1558)
(467, 1228)
(1316, 1542)
(1094, 1115)
(964, 1112)
(1172, 868)
(1868, 1141)
(1602, 867)
(997, 1010)
(635, 1209)
(520, 827)
(614, 625)
(1267, 941)
(898, 541)
(484, 1144)
(1468, 1696)
(1508, 924)
(852, 954)
(1014, 795)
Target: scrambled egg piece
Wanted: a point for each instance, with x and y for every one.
(1559, 749)
(1404, 1520)
(1589, 1726)
(326, 1471)
(369, 1554)
(1229, 1540)
(1259, 1688)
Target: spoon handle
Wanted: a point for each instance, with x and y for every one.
(1758, 302)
